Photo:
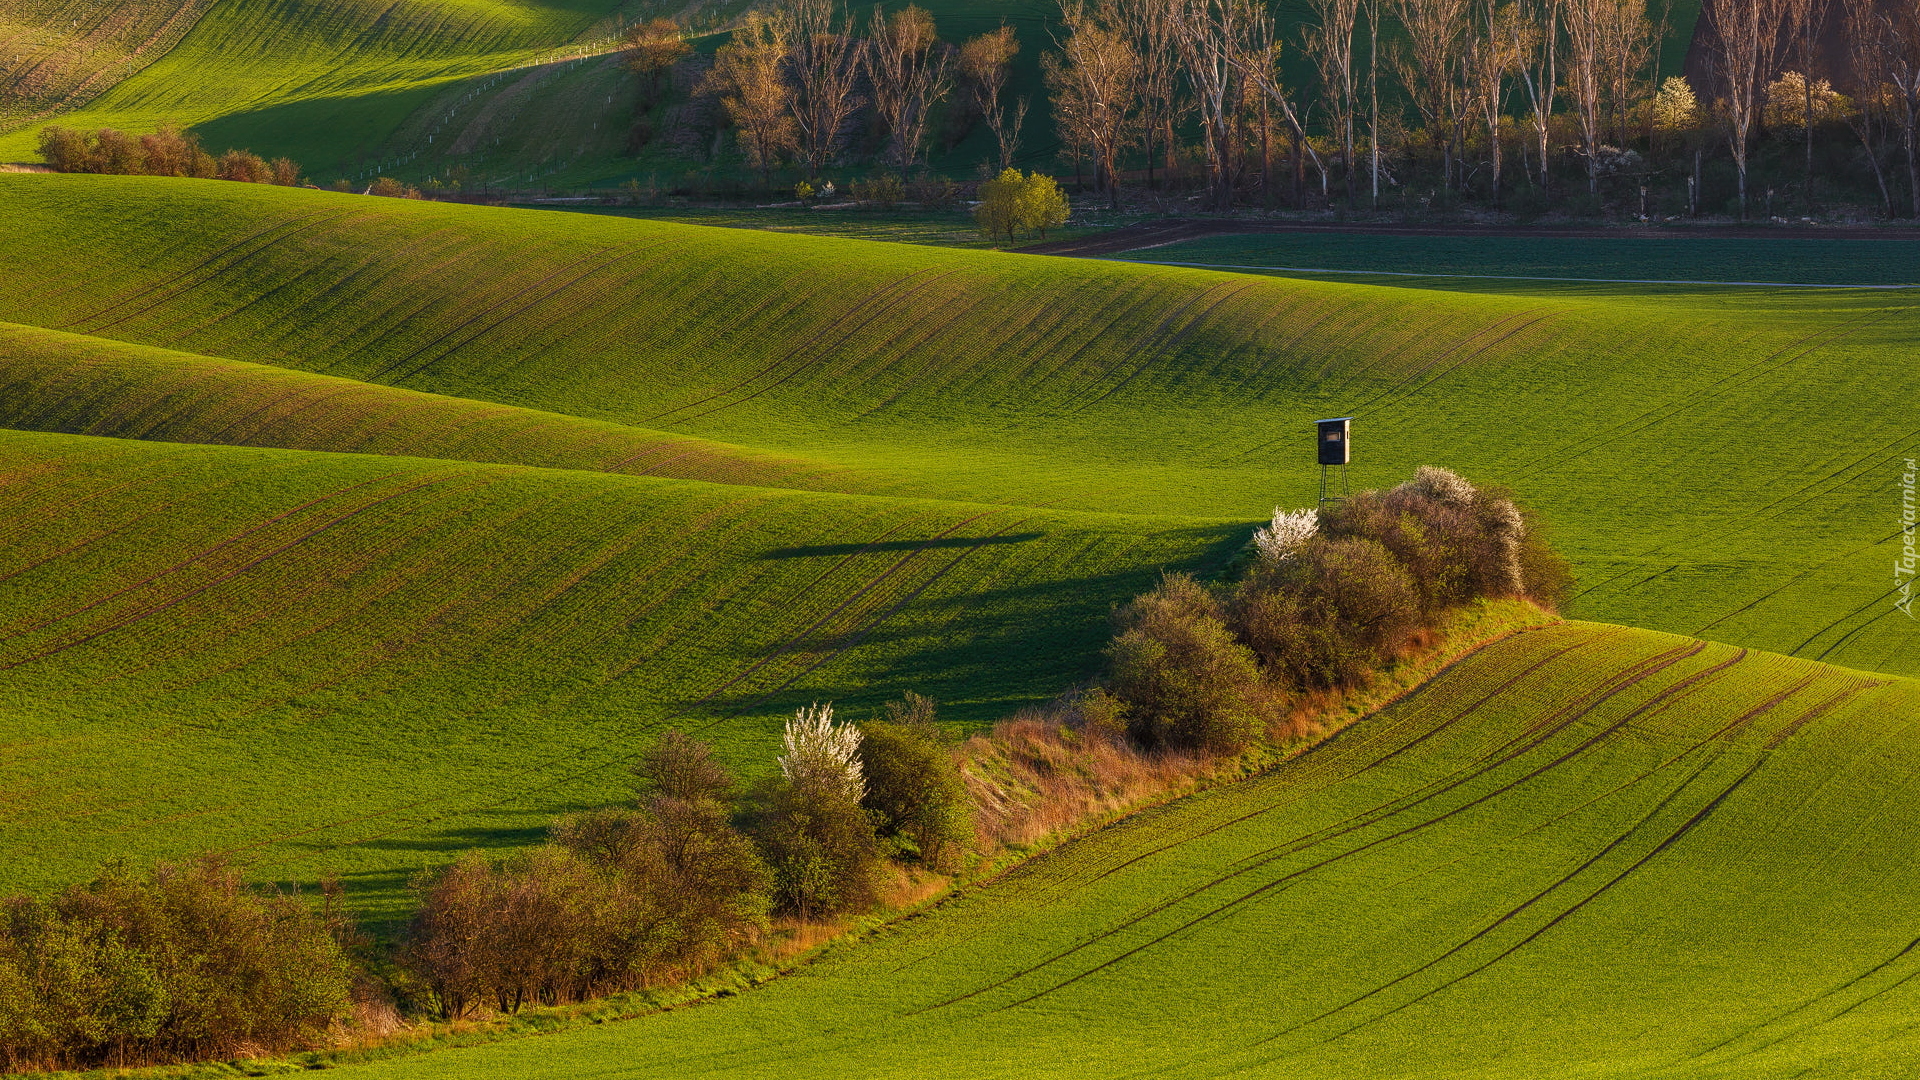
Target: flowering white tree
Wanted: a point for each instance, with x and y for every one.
(822, 753)
(1290, 529)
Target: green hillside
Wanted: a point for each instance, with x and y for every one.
(1685, 449)
(367, 663)
(1586, 851)
(328, 81)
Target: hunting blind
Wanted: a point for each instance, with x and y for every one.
(1334, 439)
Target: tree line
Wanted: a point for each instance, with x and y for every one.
(1496, 100)
(184, 962)
(171, 151)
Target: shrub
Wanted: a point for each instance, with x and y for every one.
(1331, 614)
(883, 190)
(914, 790)
(818, 839)
(167, 152)
(180, 963)
(1011, 204)
(1186, 681)
(388, 187)
(244, 167)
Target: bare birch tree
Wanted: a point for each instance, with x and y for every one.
(911, 73)
(1536, 43)
(1259, 65)
(748, 74)
(985, 63)
(1092, 79)
(1428, 67)
(1152, 25)
(1586, 62)
(1329, 41)
(1491, 57)
(1875, 101)
(1745, 37)
(1211, 35)
(826, 65)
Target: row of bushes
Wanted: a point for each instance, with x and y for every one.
(167, 152)
(1329, 598)
(178, 964)
(628, 897)
(185, 963)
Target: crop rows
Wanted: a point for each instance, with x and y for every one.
(1583, 847)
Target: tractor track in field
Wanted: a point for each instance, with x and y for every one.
(121, 622)
(820, 356)
(1329, 746)
(9, 633)
(880, 301)
(1534, 738)
(600, 262)
(1771, 365)
(303, 224)
(1164, 341)
(552, 782)
(493, 786)
(1751, 714)
(1671, 839)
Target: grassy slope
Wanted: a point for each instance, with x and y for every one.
(324, 81)
(1686, 450)
(58, 382)
(1584, 851)
(366, 663)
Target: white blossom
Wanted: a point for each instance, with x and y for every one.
(1290, 529)
(819, 751)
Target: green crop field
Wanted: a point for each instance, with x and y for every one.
(1584, 851)
(1722, 463)
(343, 534)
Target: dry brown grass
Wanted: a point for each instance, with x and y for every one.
(1046, 774)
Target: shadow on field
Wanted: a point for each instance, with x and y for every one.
(983, 653)
(808, 550)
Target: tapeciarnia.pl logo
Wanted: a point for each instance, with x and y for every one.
(1904, 566)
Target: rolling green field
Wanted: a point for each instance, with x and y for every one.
(1585, 851)
(1685, 448)
(366, 663)
(343, 534)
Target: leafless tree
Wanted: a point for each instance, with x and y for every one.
(1153, 25)
(911, 73)
(1874, 100)
(1746, 36)
(985, 63)
(1260, 69)
(826, 66)
(1428, 66)
(1212, 37)
(1490, 57)
(1536, 42)
(749, 77)
(1329, 41)
(1586, 22)
(1899, 47)
(1092, 82)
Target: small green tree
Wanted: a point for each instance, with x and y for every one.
(999, 198)
(1011, 204)
(914, 789)
(1186, 681)
(1042, 205)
